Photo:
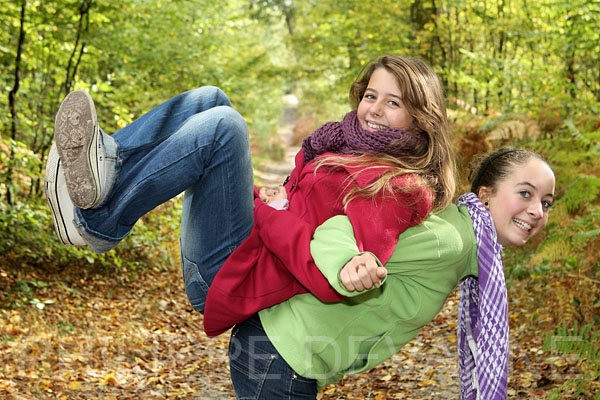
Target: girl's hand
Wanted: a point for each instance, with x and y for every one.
(362, 272)
(268, 195)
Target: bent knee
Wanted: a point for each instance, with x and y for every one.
(208, 95)
(231, 122)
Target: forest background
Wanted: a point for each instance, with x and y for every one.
(516, 72)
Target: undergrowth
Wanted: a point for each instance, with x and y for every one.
(554, 281)
(28, 239)
(581, 346)
(570, 256)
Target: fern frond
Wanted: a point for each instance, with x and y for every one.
(583, 190)
(576, 341)
(552, 250)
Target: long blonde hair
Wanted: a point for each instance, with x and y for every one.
(433, 165)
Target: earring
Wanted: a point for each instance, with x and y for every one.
(486, 204)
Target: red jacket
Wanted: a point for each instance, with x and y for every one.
(274, 263)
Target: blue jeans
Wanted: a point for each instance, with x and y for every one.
(258, 371)
(197, 143)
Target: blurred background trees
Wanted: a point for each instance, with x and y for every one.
(516, 72)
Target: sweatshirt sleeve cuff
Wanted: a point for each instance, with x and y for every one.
(333, 245)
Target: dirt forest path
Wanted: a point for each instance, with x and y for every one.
(94, 334)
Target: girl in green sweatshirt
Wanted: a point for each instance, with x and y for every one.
(295, 348)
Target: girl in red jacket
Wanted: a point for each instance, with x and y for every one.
(386, 165)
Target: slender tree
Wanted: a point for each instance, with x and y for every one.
(12, 100)
(83, 26)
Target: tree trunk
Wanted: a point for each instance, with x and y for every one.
(571, 72)
(500, 55)
(12, 95)
(455, 53)
(289, 14)
(437, 40)
(12, 102)
(75, 59)
(41, 142)
(597, 89)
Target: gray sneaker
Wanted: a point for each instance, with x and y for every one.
(80, 147)
(59, 201)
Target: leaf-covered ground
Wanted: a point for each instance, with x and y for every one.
(100, 334)
(109, 338)
(95, 334)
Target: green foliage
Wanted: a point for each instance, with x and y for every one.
(332, 41)
(583, 344)
(130, 56)
(574, 220)
(582, 191)
(519, 60)
(492, 55)
(561, 269)
(27, 234)
(18, 167)
(494, 122)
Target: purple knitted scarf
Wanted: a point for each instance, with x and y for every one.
(483, 346)
(348, 137)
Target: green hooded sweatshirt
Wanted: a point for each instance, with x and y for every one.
(325, 341)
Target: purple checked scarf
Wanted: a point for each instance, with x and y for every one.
(348, 136)
(483, 347)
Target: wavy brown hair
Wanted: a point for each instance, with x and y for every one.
(432, 165)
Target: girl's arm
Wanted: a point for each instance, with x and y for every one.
(377, 222)
(337, 255)
(289, 237)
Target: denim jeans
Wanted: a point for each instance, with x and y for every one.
(258, 371)
(197, 143)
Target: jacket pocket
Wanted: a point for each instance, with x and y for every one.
(363, 353)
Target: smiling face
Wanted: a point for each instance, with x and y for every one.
(521, 202)
(381, 106)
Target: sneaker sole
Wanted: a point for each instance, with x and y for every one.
(61, 217)
(76, 135)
